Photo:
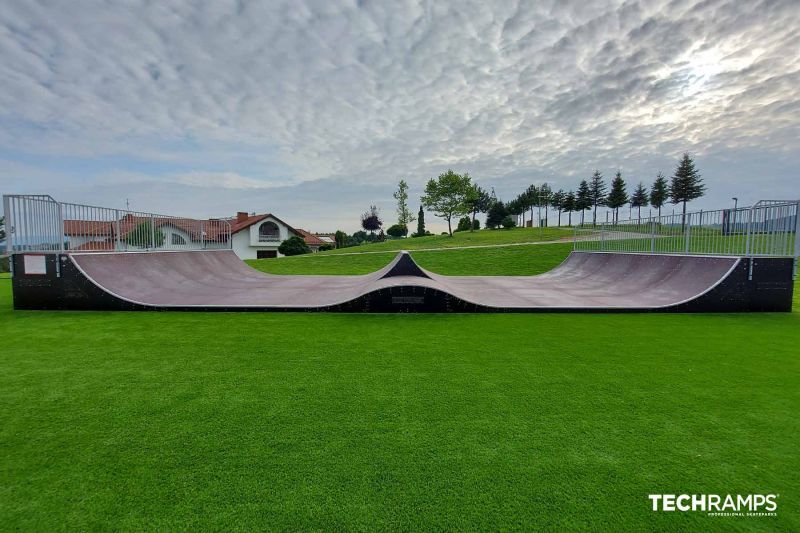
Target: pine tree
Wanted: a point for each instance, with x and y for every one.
(421, 222)
(618, 195)
(597, 194)
(659, 192)
(639, 199)
(557, 202)
(583, 200)
(686, 184)
(496, 215)
(569, 205)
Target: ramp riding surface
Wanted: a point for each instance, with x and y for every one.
(585, 281)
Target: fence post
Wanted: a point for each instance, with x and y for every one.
(652, 235)
(152, 231)
(9, 224)
(61, 232)
(602, 237)
(202, 235)
(796, 251)
(117, 241)
(688, 223)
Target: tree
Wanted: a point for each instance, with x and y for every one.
(464, 224)
(404, 216)
(583, 200)
(478, 201)
(618, 195)
(447, 196)
(545, 192)
(639, 199)
(686, 184)
(420, 223)
(597, 194)
(397, 231)
(2, 228)
(659, 192)
(508, 222)
(359, 237)
(340, 238)
(569, 205)
(531, 195)
(557, 202)
(294, 246)
(496, 214)
(371, 220)
(514, 207)
(144, 236)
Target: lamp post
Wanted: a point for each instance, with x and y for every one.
(735, 203)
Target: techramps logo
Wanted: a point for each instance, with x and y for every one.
(744, 505)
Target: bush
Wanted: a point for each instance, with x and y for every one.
(326, 247)
(496, 214)
(398, 230)
(294, 246)
(464, 224)
(4, 264)
(142, 236)
(476, 224)
(508, 222)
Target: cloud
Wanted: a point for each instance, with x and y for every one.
(251, 95)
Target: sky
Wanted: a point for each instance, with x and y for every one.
(313, 110)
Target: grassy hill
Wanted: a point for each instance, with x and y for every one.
(482, 237)
(511, 260)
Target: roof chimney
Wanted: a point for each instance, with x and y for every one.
(241, 216)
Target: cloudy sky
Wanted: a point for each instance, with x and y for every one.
(314, 110)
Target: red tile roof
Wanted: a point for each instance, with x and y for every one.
(310, 238)
(213, 229)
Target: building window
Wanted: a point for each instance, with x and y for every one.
(268, 231)
(178, 240)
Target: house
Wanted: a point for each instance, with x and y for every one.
(132, 232)
(251, 236)
(258, 236)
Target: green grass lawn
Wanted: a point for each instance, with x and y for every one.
(513, 260)
(464, 238)
(199, 421)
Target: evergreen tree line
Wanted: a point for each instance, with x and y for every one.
(684, 186)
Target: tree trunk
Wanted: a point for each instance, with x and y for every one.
(594, 215)
(559, 218)
(569, 215)
(449, 229)
(472, 226)
(683, 217)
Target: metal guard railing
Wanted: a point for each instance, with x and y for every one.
(38, 223)
(767, 228)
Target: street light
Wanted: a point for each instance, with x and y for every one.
(735, 203)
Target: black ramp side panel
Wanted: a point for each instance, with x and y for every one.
(585, 282)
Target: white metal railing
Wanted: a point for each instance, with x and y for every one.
(768, 228)
(41, 224)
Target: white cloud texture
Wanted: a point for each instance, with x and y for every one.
(352, 96)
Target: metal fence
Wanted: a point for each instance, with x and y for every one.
(38, 223)
(768, 228)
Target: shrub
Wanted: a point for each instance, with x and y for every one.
(294, 246)
(398, 230)
(142, 236)
(476, 224)
(464, 224)
(508, 222)
(325, 247)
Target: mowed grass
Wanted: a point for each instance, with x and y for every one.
(512, 260)
(200, 421)
(482, 237)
